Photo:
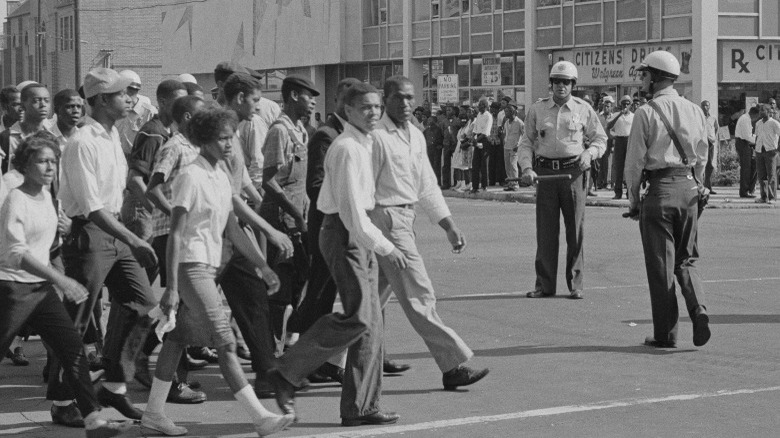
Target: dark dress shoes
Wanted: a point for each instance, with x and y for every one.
(538, 294)
(120, 402)
(69, 416)
(701, 327)
(203, 353)
(651, 342)
(334, 372)
(17, 357)
(374, 419)
(263, 388)
(392, 367)
(284, 392)
(184, 395)
(576, 294)
(462, 376)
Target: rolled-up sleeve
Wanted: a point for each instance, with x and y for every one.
(527, 146)
(80, 165)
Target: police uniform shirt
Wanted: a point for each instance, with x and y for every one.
(651, 148)
(553, 131)
(622, 127)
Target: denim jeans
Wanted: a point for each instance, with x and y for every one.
(414, 288)
(359, 328)
(668, 224)
(38, 305)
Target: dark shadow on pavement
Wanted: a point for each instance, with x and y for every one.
(723, 319)
(523, 350)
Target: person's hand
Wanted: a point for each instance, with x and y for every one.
(64, 224)
(457, 240)
(633, 212)
(73, 290)
(584, 160)
(528, 177)
(300, 223)
(398, 259)
(271, 279)
(170, 301)
(282, 242)
(144, 253)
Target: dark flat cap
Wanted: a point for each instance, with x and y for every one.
(228, 67)
(302, 82)
(512, 103)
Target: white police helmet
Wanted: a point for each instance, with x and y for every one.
(563, 70)
(135, 80)
(662, 63)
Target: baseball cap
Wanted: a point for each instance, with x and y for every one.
(186, 77)
(511, 102)
(608, 99)
(625, 98)
(104, 81)
(24, 84)
(302, 82)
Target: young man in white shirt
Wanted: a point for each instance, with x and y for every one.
(745, 142)
(767, 136)
(481, 138)
(619, 126)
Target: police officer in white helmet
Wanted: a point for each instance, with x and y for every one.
(556, 130)
(668, 145)
(141, 111)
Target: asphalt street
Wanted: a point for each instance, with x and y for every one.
(559, 368)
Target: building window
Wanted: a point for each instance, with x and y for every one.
(749, 18)
(66, 33)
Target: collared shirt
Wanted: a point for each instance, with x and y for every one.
(402, 171)
(27, 226)
(148, 141)
(348, 188)
(744, 129)
(172, 157)
(317, 149)
(622, 127)
(93, 171)
(285, 150)
(513, 132)
(250, 135)
(204, 191)
(651, 148)
(553, 131)
(712, 129)
(61, 139)
(767, 135)
(128, 127)
(483, 124)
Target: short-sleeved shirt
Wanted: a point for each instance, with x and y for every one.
(171, 158)
(285, 150)
(148, 141)
(93, 171)
(767, 135)
(250, 136)
(204, 191)
(27, 226)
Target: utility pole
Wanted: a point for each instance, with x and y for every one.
(77, 43)
(38, 46)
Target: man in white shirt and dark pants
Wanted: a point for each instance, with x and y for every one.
(348, 241)
(745, 142)
(767, 136)
(481, 133)
(405, 179)
(620, 127)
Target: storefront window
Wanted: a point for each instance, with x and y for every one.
(506, 70)
(463, 72)
(520, 70)
(476, 72)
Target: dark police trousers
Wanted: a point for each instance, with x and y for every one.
(747, 167)
(668, 223)
(553, 199)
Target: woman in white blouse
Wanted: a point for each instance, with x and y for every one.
(202, 211)
(28, 224)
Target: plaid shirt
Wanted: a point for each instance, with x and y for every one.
(172, 157)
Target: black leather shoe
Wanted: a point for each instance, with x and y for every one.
(120, 402)
(375, 418)
(651, 342)
(69, 416)
(203, 353)
(17, 357)
(194, 384)
(283, 390)
(576, 294)
(334, 372)
(95, 361)
(701, 327)
(184, 395)
(317, 377)
(538, 294)
(462, 376)
(263, 388)
(392, 367)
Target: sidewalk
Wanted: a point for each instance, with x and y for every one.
(725, 197)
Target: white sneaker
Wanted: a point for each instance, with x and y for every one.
(459, 186)
(273, 423)
(162, 424)
(467, 187)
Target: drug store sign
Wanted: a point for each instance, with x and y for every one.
(618, 65)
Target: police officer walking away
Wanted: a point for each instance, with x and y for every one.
(668, 215)
(555, 130)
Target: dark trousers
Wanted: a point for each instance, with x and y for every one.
(709, 168)
(434, 156)
(619, 163)
(94, 258)
(479, 166)
(446, 169)
(38, 305)
(747, 168)
(766, 166)
(496, 172)
(321, 290)
(247, 296)
(603, 168)
(669, 225)
(554, 198)
(359, 328)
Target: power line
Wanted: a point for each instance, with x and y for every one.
(133, 8)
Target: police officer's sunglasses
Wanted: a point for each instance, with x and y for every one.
(556, 81)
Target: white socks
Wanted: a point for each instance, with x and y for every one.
(157, 396)
(248, 399)
(62, 403)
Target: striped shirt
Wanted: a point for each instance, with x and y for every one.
(169, 161)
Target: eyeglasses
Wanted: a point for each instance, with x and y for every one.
(557, 81)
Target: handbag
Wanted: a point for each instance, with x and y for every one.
(704, 192)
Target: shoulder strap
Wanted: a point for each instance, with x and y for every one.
(671, 132)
